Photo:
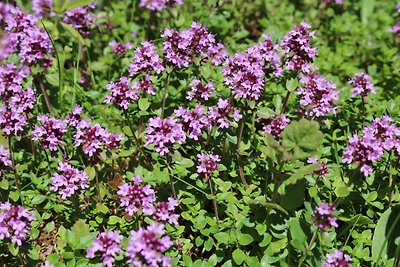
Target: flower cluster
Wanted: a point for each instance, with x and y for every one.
(158, 5)
(47, 264)
(331, 2)
(317, 95)
(200, 92)
(145, 85)
(208, 164)
(12, 122)
(275, 125)
(106, 246)
(219, 115)
(145, 247)
(362, 84)
(75, 116)
(14, 222)
(337, 259)
(121, 93)
(146, 60)
(164, 134)
(42, 8)
(323, 170)
(244, 72)
(193, 122)
(134, 197)
(297, 48)
(182, 48)
(5, 160)
(80, 18)
(95, 139)
(379, 136)
(50, 133)
(165, 211)
(119, 48)
(11, 78)
(70, 181)
(324, 217)
(27, 39)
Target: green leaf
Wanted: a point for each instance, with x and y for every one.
(292, 84)
(367, 8)
(245, 239)
(238, 256)
(386, 231)
(302, 138)
(71, 4)
(298, 237)
(53, 79)
(74, 33)
(342, 191)
(144, 104)
(80, 228)
(223, 238)
(14, 195)
(38, 199)
(113, 220)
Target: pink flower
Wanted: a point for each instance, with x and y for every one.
(106, 246)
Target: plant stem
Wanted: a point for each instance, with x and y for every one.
(213, 199)
(46, 97)
(165, 95)
(285, 103)
(363, 105)
(308, 248)
(171, 178)
(239, 140)
(96, 170)
(13, 163)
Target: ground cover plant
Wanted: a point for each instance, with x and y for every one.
(199, 133)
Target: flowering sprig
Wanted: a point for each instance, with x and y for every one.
(337, 259)
(69, 181)
(14, 222)
(165, 211)
(164, 134)
(121, 93)
(147, 245)
(323, 216)
(135, 196)
(208, 164)
(362, 84)
(106, 246)
(50, 133)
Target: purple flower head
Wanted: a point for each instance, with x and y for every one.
(165, 211)
(217, 53)
(75, 116)
(119, 48)
(164, 134)
(121, 93)
(275, 125)
(6, 46)
(200, 92)
(158, 5)
(36, 48)
(331, 2)
(220, 114)
(365, 151)
(323, 216)
(106, 246)
(383, 131)
(69, 181)
(317, 95)
(42, 8)
(296, 47)
(95, 139)
(47, 264)
(322, 171)
(12, 121)
(5, 160)
(396, 29)
(80, 18)
(14, 222)
(362, 84)
(208, 164)
(244, 72)
(337, 259)
(145, 85)
(50, 133)
(135, 196)
(146, 60)
(11, 79)
(146, 247)
(182, 48)
(24, 100)
(193, 122)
